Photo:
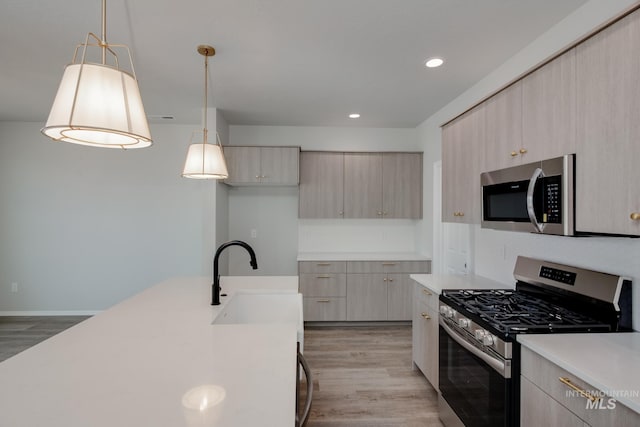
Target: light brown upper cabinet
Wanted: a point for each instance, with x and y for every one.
(402, 185)
(262, 165)
(462, 151)
(608, 116)
(360, 185)
(383, 185)
(321, 185)
(549, 110)
(503, 129)
(363, 185)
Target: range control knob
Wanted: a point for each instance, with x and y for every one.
(446, 311)
(463, 322)
(488, 339)
(480, 333)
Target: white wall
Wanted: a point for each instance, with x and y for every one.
(274, 214)
(494, 251)
(83, 228)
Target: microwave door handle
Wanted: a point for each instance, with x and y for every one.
(538, 173)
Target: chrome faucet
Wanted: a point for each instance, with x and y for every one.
(216, 277)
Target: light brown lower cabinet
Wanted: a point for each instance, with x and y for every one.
(425, 332)
(550, 395)
(358, 290)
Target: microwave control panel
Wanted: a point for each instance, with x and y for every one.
(552, 209)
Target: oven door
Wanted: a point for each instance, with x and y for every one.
(476, 386)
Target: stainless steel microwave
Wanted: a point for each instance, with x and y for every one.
(535, 197)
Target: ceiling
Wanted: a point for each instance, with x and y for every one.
(278, 62)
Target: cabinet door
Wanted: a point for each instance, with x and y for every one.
(503, 121)
(279, 165)
(366, 297)
(363, 185)
(462, 151)
(539, 409)
(399, 297)
(324, 309)
(243, 164)
(425, 336)
(549, 110)
(608, 138)
(321, 185)
(402, 185)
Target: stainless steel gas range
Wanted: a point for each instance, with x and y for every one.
(479, 360)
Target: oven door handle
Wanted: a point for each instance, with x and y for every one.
(498, 365)
(538, 173)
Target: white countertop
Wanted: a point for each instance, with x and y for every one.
(133, 364)
(361, 256)
(437, 282)
(608, 362)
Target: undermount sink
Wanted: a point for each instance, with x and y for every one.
(256, 307)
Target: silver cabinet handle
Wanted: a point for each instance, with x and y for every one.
(323, 277)
(323, 300)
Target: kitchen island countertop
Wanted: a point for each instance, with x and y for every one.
(135, 364)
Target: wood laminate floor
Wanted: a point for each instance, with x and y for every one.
(363, 376)
(18, 333)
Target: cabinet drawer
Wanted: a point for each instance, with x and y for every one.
(426, 296)
(324, 309)
(322, 267)
(323, 284)
(388, 267)
(546, 375)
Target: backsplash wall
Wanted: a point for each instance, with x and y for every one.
(344, 235)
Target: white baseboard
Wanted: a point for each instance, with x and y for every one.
(50, 313)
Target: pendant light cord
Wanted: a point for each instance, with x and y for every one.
(206, 91)
(103, 42)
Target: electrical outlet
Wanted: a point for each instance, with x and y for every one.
(254, 233)
(14, 287)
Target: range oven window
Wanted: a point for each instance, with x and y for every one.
(478, 394)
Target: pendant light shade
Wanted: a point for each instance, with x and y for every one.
(98, 104)
(204, 160)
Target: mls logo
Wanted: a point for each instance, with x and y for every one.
(600, 403)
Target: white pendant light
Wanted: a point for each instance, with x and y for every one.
(99, 104)
(205, 161)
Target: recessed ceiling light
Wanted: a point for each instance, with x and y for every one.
(434, 62)
(354, 116)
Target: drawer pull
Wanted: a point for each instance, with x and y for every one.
(523, 151)
(323, 300)
(425, 316)
(566, 381)
(427, 293)
(323, 264)
(389, 263)
(514, 153)
(323, 277)
(635, 216)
